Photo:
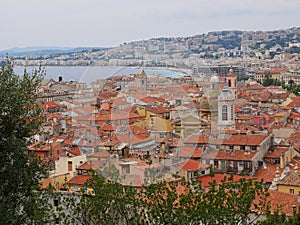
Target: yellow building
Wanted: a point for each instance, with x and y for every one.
(290, 183)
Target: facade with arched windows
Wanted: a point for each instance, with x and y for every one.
(226, 116)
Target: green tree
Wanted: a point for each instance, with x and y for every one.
(172, 203)
(20, 171)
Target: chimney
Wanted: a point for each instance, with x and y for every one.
(282, 161)
(277, 174)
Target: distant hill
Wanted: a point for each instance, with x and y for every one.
(45, 50)
(170, 51)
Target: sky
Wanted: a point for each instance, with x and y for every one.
(108, 23)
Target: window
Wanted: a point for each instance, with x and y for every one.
(292, 191)
(216, 163)
(231, 111)
(70, 165)
(231, 147)
(247, 165)
(224, 112)
(242, 147)
(253, 147)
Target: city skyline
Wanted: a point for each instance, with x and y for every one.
(108, 24)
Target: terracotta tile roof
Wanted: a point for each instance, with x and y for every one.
(119, 101)
(157, 109)
(196, 139)
(107, 95)
(149, 99)
(291, 179)
(295, 102)
(294, 138)
(250, 140)
(193, 90)
(294, 115)
(191, 165)
(236, 155)
(285, 200)
(107, 127)
(278, 70)
(74, 151)
(46, 183)
(276, 153)
(268, 173)
(80, 179)
(48, 105)
(91, 165)
(190, 152)
(207, 179)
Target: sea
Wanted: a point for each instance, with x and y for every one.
(88, 74)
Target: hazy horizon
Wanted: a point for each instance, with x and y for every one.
(88, 46)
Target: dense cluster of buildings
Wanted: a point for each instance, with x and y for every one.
(184, 126)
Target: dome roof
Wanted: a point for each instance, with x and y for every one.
(214, 79)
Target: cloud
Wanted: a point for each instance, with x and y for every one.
(107, 23)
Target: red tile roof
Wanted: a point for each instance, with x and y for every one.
(80, 179)
(196, 139)
(207, 179)
(268, 173)
(295, 102)
(157, 109)
(251, 139)
(191, 165)
(190, 152)
(276, 153)
(291, 179)
(92, 165)
(238, 155)
(285, 200)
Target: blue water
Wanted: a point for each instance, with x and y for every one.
(89, 74)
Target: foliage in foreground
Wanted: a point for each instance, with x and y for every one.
(20, 171)
(169, 203)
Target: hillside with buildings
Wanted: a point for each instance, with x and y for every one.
(235, 46)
